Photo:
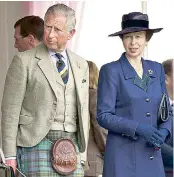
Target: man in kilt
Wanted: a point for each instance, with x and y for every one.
(46, 98)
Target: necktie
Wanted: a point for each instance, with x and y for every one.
(61, 68)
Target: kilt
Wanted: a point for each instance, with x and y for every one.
(36, 161)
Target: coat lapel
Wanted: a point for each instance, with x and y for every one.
(46, 66)
(79, 72)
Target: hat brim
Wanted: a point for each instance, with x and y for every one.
(135, 29)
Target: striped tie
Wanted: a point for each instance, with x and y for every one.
(61, 68)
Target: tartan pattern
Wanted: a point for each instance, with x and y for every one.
(36, 161)
(61, 68)
(142, 83)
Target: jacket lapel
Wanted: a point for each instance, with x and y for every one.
(46, 66)
(79, 72)
(129, 73)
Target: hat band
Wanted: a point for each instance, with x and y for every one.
(135, 23)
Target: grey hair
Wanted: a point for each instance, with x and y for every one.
(62, 9)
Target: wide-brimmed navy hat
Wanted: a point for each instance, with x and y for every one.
(134, 22)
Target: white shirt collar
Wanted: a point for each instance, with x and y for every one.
(55, 59)
(63, 53)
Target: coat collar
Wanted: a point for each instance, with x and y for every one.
(129, 71)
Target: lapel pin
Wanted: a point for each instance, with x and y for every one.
(150, 71)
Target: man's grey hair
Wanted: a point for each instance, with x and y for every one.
(62, 9)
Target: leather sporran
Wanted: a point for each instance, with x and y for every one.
(64, 155)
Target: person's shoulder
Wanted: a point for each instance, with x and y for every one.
(76, 57)
(111, 66)
(154, 64)
(28, 54)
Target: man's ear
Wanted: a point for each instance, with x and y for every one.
(31, 39)
(71, 34)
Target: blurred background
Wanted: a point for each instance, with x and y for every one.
(95, 20)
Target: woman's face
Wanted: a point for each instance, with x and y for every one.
(134, 44)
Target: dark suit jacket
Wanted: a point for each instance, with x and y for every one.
(97, 139)
(167, 155)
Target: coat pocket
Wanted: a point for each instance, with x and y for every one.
(25, 119)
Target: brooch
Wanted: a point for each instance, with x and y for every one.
(150, 71)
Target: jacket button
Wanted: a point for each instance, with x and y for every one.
(55, 102)
(147, 99)
(148, 114)
(151, 157)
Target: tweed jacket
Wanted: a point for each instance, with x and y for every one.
(97, 139)
(167, 154)
(30, 99)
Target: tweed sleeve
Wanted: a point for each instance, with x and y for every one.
(14, 91)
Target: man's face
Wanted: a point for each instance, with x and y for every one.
(21, 43)
(55, 32)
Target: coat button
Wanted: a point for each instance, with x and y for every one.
(55, 102)
(151, 157)
(148, 114)
(147, 99)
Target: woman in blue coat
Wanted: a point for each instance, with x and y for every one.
(129, 94)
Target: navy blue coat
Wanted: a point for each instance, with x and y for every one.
(121, 105)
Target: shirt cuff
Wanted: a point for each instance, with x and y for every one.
(10, 158)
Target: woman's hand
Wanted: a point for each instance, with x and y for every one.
(165, 133)
(150, 134)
